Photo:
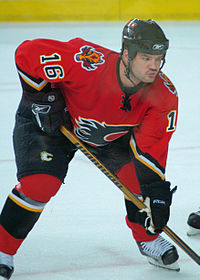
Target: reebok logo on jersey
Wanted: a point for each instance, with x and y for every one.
(89, 58)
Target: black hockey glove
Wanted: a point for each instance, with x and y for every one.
(157, 198)
(48, 110)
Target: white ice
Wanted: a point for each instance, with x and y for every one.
(82, 233)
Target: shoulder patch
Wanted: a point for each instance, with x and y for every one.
(168, 83)
(89, 58)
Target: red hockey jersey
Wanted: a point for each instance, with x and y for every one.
(88, 76)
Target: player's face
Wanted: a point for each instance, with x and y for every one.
(144, 67)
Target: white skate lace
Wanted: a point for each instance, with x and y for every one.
(6, 259)
(156, 248)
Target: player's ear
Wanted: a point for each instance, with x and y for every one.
(125, 55)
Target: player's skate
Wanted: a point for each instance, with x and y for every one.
(194, 223)
(6, 266)
(160, 252)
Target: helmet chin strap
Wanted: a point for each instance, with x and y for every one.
(163, 62)
(128, 95)
(127, 70)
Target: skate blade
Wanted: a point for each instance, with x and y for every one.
(174, 266)
(193, 231)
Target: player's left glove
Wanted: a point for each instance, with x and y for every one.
(157, 198)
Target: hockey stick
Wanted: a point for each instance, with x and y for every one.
(126, 191)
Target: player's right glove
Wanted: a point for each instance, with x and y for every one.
(157, 198)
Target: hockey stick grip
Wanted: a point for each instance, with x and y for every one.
(126, 191)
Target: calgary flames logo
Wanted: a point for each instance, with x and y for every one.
(89, 57)
(168, 83)
(98, 133)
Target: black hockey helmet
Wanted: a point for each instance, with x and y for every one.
(144, 36)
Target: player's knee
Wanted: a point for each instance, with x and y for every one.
(127, 176)
(20, 213)
(39, 187)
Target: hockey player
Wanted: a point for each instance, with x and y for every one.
(121, 105)
(193, 223)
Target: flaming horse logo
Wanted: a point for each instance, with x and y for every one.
(98, 133)
(89, 57)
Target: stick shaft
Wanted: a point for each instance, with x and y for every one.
(126, 191)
